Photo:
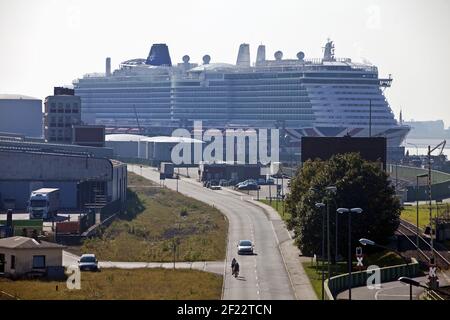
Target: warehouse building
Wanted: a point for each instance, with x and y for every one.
(83, 174)
(21, 115)
(149, 150)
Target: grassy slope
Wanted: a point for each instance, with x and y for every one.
(123, 284)
(409, 213)
(152, 223)
(284, 215)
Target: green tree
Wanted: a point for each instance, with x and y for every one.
(360, 184)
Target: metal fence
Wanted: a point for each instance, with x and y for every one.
(337, 284)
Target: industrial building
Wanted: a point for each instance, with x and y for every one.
(62, 111)
(21, 115)
(150, 150)
(83, 174)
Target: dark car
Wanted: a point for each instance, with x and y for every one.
(88, 262)
(248, 186)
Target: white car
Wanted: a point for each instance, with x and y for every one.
(245, 247)
(215, 187)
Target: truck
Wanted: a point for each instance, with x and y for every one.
(43, 203)
(167, 169)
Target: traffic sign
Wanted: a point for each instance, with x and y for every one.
(359, 251)
(432, 271)
(360, 261)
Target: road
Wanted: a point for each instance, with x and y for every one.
(394, 290)
(208, 266)
(262, 275)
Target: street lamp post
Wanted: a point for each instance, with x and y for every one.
(349, 211)
(365, 242)
(333, 190)
(415, 283)
(319, 206)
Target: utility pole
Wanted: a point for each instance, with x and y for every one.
(433, 280)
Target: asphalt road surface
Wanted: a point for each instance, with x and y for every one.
(70, 259)
(394, 290)
(262, 275)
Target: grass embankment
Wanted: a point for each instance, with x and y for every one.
(154, 284)
(278, 206)
(314, 270)
(153, 222)
(409, 213)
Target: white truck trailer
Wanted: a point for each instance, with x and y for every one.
(43, 203)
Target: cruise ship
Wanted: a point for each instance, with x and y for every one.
(326, 96)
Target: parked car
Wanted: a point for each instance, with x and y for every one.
(264, 181)
(215, 187)
(88, 262)
(245, 247)
(249, 186)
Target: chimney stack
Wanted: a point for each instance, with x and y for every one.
(108, 67)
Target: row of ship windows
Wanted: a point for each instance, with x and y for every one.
(365, 99)
(373, 93)
(87, 91)
(199, 115)
(281, 75)
(249, 117)
(145, 88)
(122, 84)
(250, 101)
(365, 111)
(207, 93)
(143, 106)
(358, 87)
(327, 111)
(367, 123)
(214, 108)
(246, 111)
(237, 93)
(274, 87)
(196, 100)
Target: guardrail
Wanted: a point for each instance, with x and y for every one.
(337, 284)
(432, 295)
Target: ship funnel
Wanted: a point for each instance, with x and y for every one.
(108, 67)
(261, 54)
(159, 55)
(243, 58)
(328, 53)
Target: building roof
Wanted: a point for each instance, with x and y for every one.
(27, 243)
(16, 97)
(169, 139)
(124, 137)
(158, 139)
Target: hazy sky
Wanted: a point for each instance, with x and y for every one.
(46, 43)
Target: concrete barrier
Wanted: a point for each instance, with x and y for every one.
(337, 284)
